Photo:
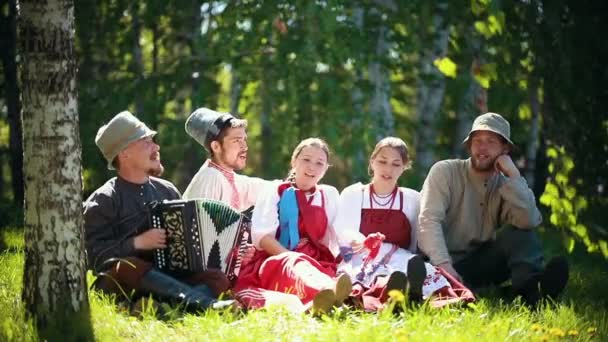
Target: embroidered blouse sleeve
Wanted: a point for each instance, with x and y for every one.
(411, 209)
(265, 218)
(348, 220)
(331, 209)
(252, 188)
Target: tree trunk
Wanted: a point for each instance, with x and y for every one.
(380, 105)
(236, 89)
(54, 289)
(138, 64)
(267, 104)
(8, 38)
(474, 101)
(533, 140)
(358, 141)
(431, 87)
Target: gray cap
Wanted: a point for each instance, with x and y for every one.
(494, 123)
(205, 124)
(123, 129)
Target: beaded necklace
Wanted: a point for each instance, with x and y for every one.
(375, 198)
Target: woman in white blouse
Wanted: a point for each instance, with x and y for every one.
(296, 244)
(376, 227)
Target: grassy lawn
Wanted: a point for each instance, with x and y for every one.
(580, 316)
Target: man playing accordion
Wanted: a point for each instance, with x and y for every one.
(119, 240)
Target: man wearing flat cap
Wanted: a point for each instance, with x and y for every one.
(224, 137)
(477, 218)
(119, 242)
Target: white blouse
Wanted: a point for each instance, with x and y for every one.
(265, 219)
(356, 197)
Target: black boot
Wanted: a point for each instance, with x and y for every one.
(549, 284)
(555, 277)
(169, 288)
(416, 274)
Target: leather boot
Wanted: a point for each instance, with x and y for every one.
(416, 274)
(169, 288)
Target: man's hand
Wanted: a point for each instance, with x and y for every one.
(447, 266)
(151, 239)
(505, 164)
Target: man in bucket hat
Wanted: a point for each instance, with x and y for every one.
(477, 218)
(224, 137)
(119, 240)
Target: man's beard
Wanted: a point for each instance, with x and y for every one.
(476, 165)
(156, 171)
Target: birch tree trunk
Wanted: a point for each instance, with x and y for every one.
(431, 87)
(54, 282)
(380, 104)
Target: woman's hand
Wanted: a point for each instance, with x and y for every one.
(273, 247)
(356, 246)
(248, 254)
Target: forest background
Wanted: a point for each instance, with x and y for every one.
(350, 72)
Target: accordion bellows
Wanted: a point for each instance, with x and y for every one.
(201, 234)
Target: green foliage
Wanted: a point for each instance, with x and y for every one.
(446, 66)
(566, 206)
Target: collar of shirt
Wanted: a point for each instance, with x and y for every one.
(229, 174)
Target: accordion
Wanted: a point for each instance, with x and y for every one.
(201, 234)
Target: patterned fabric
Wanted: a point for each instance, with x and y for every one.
(235, 201)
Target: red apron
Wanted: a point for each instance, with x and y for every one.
(394, 224)
(304, 272)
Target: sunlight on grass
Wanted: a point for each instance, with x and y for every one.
(580, 316)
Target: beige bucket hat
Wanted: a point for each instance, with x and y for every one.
(494, 123)
(123, 129)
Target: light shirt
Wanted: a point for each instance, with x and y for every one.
(209, 182)
(460, 209)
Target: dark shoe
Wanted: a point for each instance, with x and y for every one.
(555, 277)
(169, 288)
(529, 291)
(416, 274)
(323, 302)
(343, 288)
(397, 281)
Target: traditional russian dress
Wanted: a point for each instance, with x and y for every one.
(361, 213)
(301, 222)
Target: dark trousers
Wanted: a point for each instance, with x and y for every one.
(516, 254)
(125, 276)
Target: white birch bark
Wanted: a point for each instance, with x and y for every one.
(54, 282)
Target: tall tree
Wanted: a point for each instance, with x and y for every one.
(54, 289)
(8, 37)
(431, 83)
(380, 104)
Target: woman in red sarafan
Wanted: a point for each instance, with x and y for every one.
(295, 261)
(376, 227)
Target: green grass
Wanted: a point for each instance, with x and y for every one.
(580, 316)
